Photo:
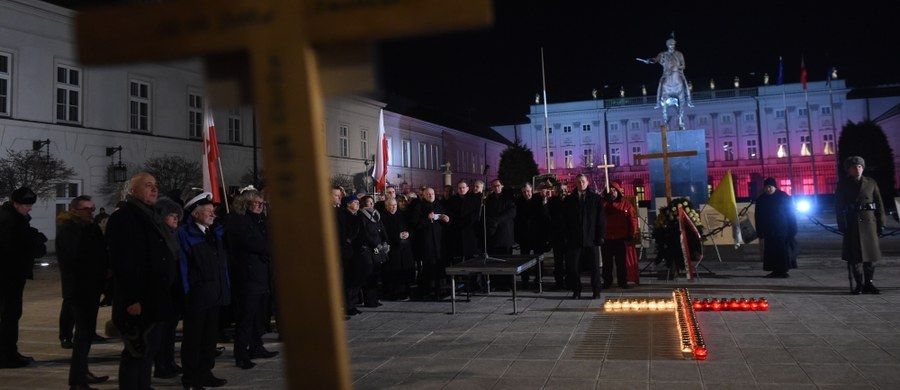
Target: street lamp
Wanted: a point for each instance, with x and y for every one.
(37, 145)
(117, 171)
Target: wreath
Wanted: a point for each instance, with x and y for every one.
(667, 234)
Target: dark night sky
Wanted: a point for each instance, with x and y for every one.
(490, 75)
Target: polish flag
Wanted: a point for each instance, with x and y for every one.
(210, 158)
(381, 156)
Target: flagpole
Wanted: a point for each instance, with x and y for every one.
(812, 153)
(222, 179)
(546, 119)
(787, 130)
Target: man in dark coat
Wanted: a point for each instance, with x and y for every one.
(429, 221)
(463, 207)
(500, 211)
(528, 227)
(250, 253)
(20, 244)
(557, 236)
(204, 276)
(860, 216)
(83, 264)
(144, 269)
(585, 232)
(776, 226)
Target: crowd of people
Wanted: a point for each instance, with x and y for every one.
(399, 247)
(168, 261)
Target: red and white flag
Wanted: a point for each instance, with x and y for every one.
(381, 156)
(210, 158)
(803, 73)
(690, 241)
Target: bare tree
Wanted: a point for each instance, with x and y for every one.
(175, 174)
(37, 171)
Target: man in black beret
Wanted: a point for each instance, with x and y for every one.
(20, 244)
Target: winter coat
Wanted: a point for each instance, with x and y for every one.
(860, 227)
(249, 253)
(777, 225)
(500, 211)
(144, 268)
(81, 255)
(20, 244)
(621, 220)
(204, 266)
(585, 223)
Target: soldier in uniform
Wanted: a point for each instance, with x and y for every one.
(860, 216)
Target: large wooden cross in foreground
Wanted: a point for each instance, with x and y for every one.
(295, 48)
(665, 155)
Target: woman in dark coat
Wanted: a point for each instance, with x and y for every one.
(399, 272)
(777, 226)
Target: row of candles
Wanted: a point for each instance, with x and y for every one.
(732, 304)
(659, 304)
(688, 328)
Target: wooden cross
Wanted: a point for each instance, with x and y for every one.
(296, 49)
(665, 155)
(606, 167)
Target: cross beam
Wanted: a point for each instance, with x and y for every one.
(665, 156)
(283, 40)
(605, 167)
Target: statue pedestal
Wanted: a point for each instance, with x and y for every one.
(688, 175)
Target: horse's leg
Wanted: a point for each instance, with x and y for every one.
(680, 117)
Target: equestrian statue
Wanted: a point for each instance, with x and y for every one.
(673, 87)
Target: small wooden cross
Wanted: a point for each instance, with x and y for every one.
(665, 155)
(605, 167)
(296, 49)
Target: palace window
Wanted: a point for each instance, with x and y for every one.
(728, 150)
(552, 162)
(406, 152)
(805, 149)
(364, 144)
(435, 157)
(615, 156)
(195, 116)
(139, 100)
(825, 110)
(588, 157)
(751, 149)
(570, 163)
(829, 143)
(235, 134)
(68, 94)
(636, 150)
(779, 114)
(585, 128)
(344, 141)
(423, 155)
(567, 129)
(782, 147)
(5, 77)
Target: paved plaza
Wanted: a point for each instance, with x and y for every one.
(815, 335)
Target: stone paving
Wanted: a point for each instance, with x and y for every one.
(815, 336)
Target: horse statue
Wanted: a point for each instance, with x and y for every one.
(673, 89)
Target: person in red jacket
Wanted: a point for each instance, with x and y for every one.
(621, 228)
